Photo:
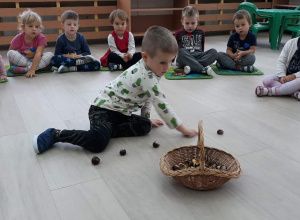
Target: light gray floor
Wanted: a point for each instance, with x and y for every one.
(263, 133)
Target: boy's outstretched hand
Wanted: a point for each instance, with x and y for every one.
(156, 123)
(189, 132)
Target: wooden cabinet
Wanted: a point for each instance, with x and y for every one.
(141, 18)
(215, 15)
(289, 4)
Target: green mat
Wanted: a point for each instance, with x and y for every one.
(104, 68)
(234, 72)
(3, 80)
(170, 75)
(10, 74)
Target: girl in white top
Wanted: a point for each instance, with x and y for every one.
(287, 79)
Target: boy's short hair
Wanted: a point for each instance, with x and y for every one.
(28, 17)
(118, 13)
(69, 15)
(159, 38)
(241, 14)
(189, 11)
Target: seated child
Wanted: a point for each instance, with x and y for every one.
(191, 56)
(72, 53)
(26, 50)
(111, 113)
(121, 53)
(2, 71)
(240, 47)
(287, 79)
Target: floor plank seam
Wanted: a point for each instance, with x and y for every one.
(222, 110)
(11, 134)
(76, 184)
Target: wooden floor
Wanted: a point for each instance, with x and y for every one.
(263, 133)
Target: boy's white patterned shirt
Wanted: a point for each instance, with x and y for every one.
(136, 88)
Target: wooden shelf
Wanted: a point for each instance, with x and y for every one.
(286, 6)
(155, 9)
(214, 17)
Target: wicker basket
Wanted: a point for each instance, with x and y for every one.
(200, 178)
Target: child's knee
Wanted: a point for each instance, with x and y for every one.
(214, 53)
(10, 53)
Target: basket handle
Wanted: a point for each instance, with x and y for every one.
(200, 144)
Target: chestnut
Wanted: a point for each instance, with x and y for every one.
(122, 152)
(175, 167)
(220, 132)
(95, 160)
(155, 144)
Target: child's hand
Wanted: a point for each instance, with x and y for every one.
(156, 122)
(74, 56)
(125, 57)
(189, 132)
(30, 73)
(288, 78)
(238, 55)
(129, 56)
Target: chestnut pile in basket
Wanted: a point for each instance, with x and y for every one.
(196, 163)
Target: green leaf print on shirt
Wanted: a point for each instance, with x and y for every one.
(111, 93)
(162, 106)
(141, 95)
(155, 90)
(101, 103)
(124, 91)
(134, 70)
(125, 110)
(147, 93)
(96, 99)
(147, 115)
(137, 83)
(125, 73)
(174, 122)
(150, 75)
(119, 84)
(127, 100)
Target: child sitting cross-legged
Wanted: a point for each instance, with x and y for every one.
(240, 47)
(191, 55)
(26, 51)
(72, 53)
(287, 79)
(121, 53)
(111, 112)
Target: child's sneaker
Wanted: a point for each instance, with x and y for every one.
(44, 141)
(54, 68)
(85, 60)
(249, 69)
(296, 95)
(18, 69)
(64, 69)
(263, 91)
(209, 70)
(187, 69)
(114, 66)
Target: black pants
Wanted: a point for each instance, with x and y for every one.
(106, 124)
(115, 58)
